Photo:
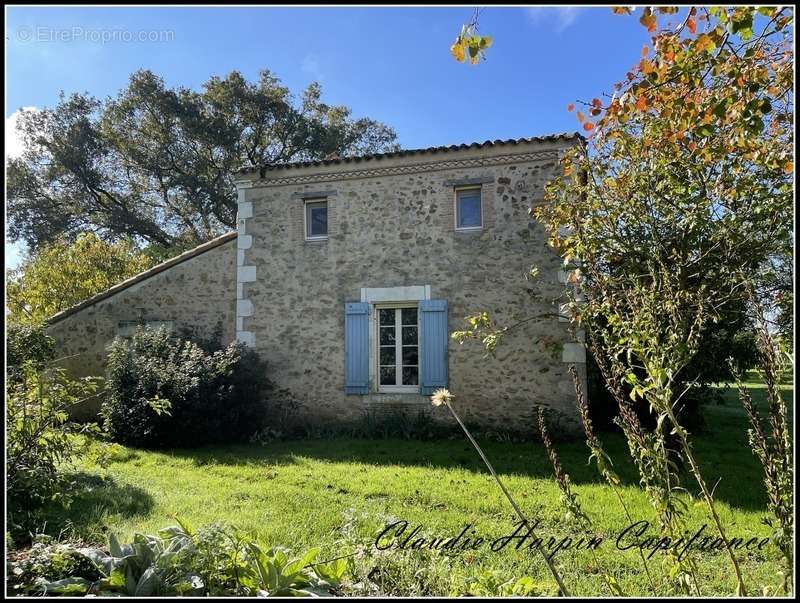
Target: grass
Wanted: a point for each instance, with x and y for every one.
(340, 493)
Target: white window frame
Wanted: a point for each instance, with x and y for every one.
(398, 360)
(306, 234)
(459, 189)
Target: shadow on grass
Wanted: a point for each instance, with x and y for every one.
(723, 452)
(94, 501)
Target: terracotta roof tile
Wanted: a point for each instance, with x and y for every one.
(404, 153)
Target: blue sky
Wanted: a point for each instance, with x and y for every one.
(391, 64)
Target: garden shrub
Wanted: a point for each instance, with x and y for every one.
(27, 343)
(40, 440)
(165, 391)
(217, 560)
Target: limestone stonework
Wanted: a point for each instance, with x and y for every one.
(391, 237)
(391, 224)
(194, 292)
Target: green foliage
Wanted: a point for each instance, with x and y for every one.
(57, 564)
(214, 561)
(27, 344)
(164, 391)
(772, 445)
(40, 440)
(61, 274)
(157, 163)
(499, 584)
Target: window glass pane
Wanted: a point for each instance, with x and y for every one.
(469, 208)
(387, 336)
(409, 375)
(410, 356)
(317, 219)
(387, 317)
(388, 356)
(409, 316)
(387, 375)
(409, 335)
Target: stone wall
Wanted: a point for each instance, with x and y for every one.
(391, 224)
(194, 291)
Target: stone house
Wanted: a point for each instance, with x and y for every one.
(348, 277)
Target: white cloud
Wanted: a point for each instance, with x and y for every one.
(311, 66)
(561, 17)
(14, 146)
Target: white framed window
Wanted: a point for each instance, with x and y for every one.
(397, 348)
(315, 219)
(468, 208)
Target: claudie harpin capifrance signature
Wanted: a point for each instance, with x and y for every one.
(401, 535)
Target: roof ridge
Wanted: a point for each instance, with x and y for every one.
(137, 278)
(405, 152)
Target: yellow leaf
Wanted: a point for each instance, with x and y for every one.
(457, 50)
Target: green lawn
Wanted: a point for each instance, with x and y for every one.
(339, 493)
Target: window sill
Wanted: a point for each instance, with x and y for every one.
(414, 398)
(413, 390)
(316, 240)
(470, 230)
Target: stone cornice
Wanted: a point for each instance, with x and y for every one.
(413, 168)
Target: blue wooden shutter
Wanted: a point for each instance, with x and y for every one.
(434, 340)
(356, 348)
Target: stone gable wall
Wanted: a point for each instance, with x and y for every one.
(197, 294)
(391, 224)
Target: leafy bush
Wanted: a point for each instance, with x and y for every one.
(27, 343)
(166, 391)
(40, 439)
(216, 560)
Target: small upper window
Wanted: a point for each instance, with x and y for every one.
(468, 209)
(317, 219)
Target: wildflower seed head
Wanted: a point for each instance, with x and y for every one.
(441, 396)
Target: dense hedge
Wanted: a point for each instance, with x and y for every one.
(167, 391)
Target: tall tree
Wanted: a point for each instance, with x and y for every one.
(157, 163)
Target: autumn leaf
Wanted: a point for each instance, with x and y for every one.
(581, 117)
(645, 50)
(691, 25)
(457, 50)
(621, 10)
(570, 107)
(788, 167)
(648, 19)
(704, 43)
(588, 126)
(641, 103)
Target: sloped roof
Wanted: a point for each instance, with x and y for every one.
(566, 136)
(159, 268)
